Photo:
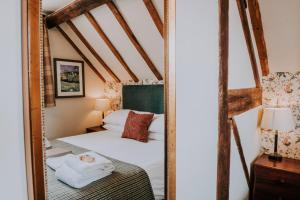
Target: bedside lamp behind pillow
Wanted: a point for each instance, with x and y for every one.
(102, 105)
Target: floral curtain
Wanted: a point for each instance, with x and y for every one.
(49, 93)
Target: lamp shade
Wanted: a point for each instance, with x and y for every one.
(102, 104)
(280, 119)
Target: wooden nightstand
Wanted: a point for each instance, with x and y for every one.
(95, 129)
(275, 180)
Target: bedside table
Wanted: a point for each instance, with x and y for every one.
(95, 129)
(275, 180)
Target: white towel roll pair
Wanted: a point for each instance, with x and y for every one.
(69, 176)
(76, 173)
(100, 163)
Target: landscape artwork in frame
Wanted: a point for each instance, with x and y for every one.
(69, 78)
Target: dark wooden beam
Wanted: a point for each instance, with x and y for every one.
(240, 150)
(258, 31)
(155, 16)
(224, 136)
(242, 100)
(133, 39)
(113, 49)
(80, 53)
(93, 51)
(72, 10)
(245, 24)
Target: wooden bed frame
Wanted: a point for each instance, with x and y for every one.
(31, 59)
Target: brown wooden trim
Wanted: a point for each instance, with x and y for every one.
(133, 39)
(33, 87)
(80, 53)
(242, 100)
(72, 10)
(245, 24)
(93, 51)
(155, 16)
(26, 101)
(240, 150)
(113, 49)
(223, 163)
(170, 98)
(258, 31)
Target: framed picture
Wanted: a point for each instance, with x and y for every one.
(69, 78)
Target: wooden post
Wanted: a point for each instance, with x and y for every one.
(243, 15)
(223, 165)
(240, 150)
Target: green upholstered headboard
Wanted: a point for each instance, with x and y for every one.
(148, 98)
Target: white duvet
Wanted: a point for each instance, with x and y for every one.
(149, 156)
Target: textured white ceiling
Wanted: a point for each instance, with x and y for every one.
(143, 27)
(52, 5)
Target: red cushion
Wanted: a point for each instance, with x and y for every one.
(136, 126)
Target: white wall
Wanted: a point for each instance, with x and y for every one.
(197, 95)
(72, 116)
(282, 30)
(12, 162)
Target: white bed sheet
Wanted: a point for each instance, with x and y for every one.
(149, 156)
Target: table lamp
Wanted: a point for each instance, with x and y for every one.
(102, 105)
(279, 120)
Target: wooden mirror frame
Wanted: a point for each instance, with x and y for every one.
(31, 62)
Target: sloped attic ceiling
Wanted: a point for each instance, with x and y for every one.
(282, 30)
(140, 22)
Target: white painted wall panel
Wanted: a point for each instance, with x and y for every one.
(282, 30)
(12, 156)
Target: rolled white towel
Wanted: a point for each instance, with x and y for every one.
(56, 162)
(85, 167)
(69, 176)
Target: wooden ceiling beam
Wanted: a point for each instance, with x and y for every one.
(242, 100)
(113, 49)
(245, 24)
(72, 10)
(155, 16)
(80, 53)
(133, 39)
(93, 51)
(258, 31)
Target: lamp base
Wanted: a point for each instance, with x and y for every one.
(275, 157)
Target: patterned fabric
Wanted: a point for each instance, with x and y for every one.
(127, 182)
(137, 125)
(283, 88)
(49, 92)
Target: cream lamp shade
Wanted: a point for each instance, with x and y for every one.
(278, 119)
(102, 105)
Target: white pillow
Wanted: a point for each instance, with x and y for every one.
(114, 128)
(118, 117)
(158, 124)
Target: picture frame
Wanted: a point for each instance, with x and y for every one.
(69, 78)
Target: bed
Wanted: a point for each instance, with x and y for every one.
(140, 167)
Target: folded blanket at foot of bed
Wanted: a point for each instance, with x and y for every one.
(127, 182)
